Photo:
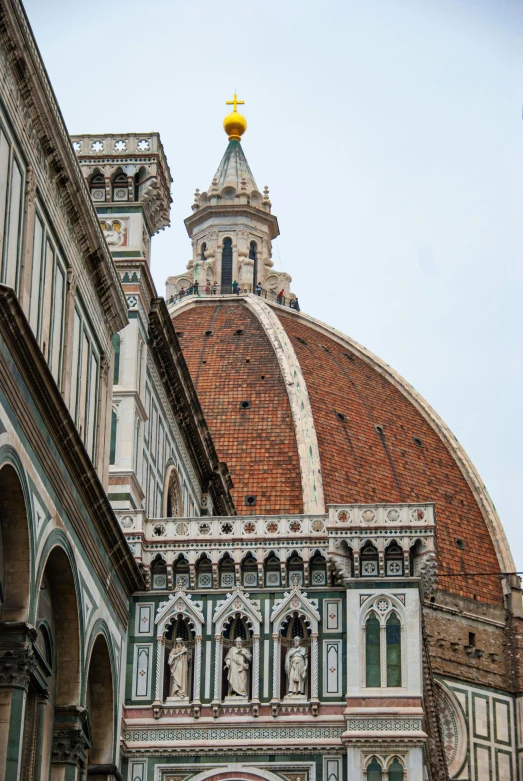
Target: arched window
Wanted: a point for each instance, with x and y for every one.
(158, 572)
(204, 573)
(395, 770)
(318, 570)
(272, 571)
(203, 249)
(181, 573)
(295, 570)
(114, 432)
(374, 770)
(227, 575)
(227, 266)
(369, 561)
(372, 651)
(393, 633)
(249, 572)
(394, 560)
(120, 188)
(253, 255)
(116, 368)
(97, 186)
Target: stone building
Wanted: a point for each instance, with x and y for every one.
(234, 543)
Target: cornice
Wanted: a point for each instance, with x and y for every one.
(232, 210)
(146, 281)
(33, 82)
(172, 368)
(59, 426)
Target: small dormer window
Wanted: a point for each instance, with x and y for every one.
(120, 188)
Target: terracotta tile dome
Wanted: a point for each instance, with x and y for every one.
(375, 443)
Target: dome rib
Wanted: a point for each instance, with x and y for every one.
(306, 439)
(233, 168)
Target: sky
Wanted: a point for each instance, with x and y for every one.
(390, 134)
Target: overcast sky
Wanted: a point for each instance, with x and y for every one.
(390, 134)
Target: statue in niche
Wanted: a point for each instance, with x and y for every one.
(237, 662)
(296, 664)
(178, 666)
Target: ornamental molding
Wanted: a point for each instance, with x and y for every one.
(453, 728)
(180, 602)
(237, 602)
(384, 725)
(295, 600)
(206, 734)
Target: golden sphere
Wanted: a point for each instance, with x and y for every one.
(235, 125)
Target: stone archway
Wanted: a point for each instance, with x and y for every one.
(15, 556)
(59, 579)
(100, 704)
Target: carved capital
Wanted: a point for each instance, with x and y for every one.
(104, 367)
(218, 638)
(70, 746)
(198, 638)
(16, 666)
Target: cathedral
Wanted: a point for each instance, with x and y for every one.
(234, 544)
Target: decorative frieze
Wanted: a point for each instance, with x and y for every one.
(232, 733)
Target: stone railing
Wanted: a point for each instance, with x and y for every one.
(381, 516)
(351, 518)
(246, 527)
(117, 144)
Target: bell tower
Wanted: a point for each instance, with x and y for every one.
(231, 226)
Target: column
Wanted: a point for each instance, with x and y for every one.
(315, 666)
(256, 668)
(17, 662)
(197, 668)
(276, 659)
(383, 656)
(26, 255)
(160, 659)
(70, 743)
(218, 652)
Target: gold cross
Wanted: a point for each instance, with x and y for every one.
(235, 102)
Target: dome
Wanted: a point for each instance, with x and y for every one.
(305, 417)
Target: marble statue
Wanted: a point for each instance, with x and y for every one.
(296, 664)
(237, 662)
(177, 662)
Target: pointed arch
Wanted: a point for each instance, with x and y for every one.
(59, 579)
(172, 493)
(101, 700)
(15, 540)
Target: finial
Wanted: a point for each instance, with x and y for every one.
(235, 123)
